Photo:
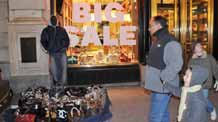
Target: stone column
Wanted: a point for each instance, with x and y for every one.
(28, 62)
(4, 53)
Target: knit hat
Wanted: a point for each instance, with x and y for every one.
(53, 20)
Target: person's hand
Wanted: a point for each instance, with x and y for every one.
(162, 81)
(216, 85)
(187, 78)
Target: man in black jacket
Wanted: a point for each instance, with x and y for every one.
(55, 41)
(164, 63)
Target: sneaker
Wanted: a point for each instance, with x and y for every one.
(213, 115)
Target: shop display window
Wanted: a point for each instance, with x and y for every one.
(198, 22)
(188, 20)
(82, 53)
(168, 11)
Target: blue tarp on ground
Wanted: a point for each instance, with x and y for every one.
(104, 116)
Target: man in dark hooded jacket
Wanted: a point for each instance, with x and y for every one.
(55, 41)
(193, 104)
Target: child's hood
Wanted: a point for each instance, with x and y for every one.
(199, 75)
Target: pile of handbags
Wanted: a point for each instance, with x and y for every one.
(69, 104)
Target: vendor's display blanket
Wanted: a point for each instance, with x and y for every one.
(70, 104)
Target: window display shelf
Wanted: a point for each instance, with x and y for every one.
(91, 54)
(83, 75)
(102, 65)
(199, 21)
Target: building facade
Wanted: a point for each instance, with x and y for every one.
(24, 63)
(22, 59)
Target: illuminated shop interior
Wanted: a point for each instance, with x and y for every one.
(188, 20)
(79, 55)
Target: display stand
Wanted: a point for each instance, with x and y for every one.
(35, 110)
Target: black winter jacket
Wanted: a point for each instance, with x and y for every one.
(55, 39)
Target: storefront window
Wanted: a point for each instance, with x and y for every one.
(102, 32)
(169, 10)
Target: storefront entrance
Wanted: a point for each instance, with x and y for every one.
(189, 20)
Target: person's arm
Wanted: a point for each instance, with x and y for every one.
(190, 62)
(214, 67)
(174, 60)
(44, 39)
(176, 91)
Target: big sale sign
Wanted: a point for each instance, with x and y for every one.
(81, 13)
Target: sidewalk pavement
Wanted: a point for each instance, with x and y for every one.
(131, 104)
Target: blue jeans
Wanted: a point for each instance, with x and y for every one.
(159, 107)
(58, 68)
(210, 106)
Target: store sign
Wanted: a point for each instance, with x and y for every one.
(112, 13)
(81, 12)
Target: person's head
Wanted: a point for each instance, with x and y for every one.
(156, 23)
(53, 20)
(197, 48)
(195, 75)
